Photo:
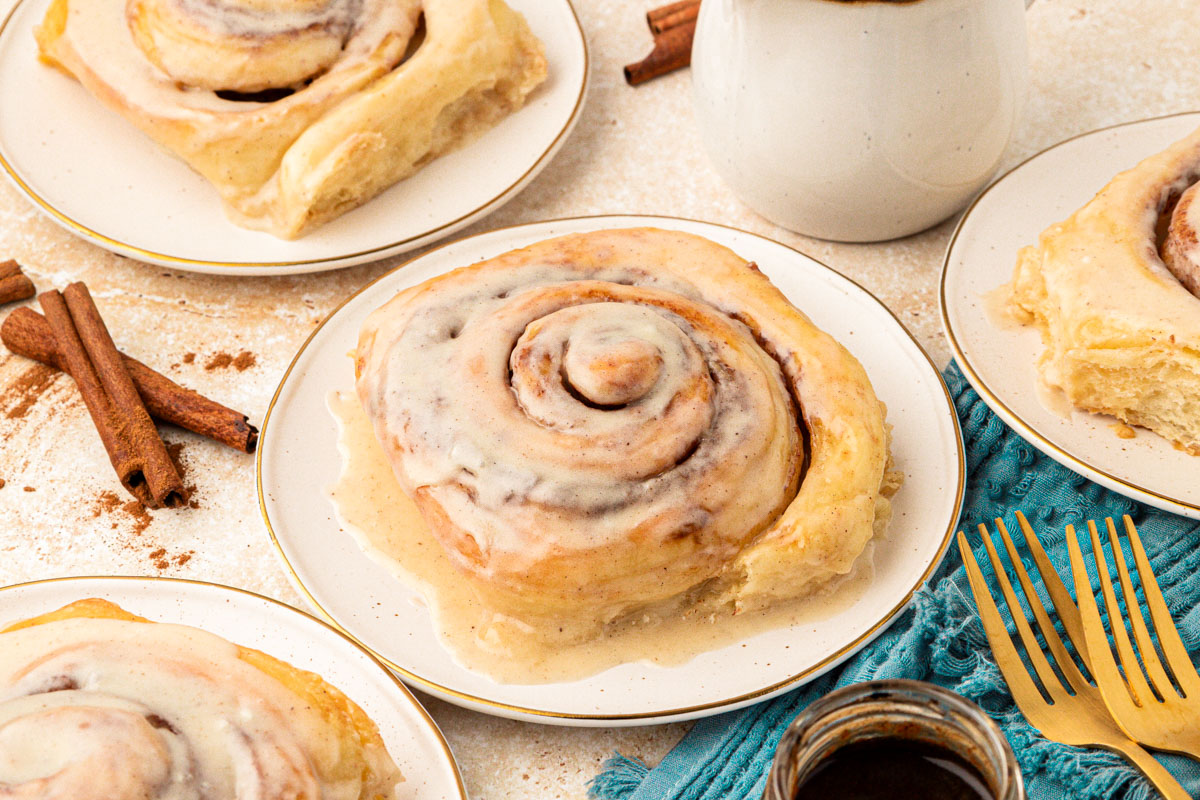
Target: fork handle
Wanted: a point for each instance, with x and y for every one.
(1155, 772)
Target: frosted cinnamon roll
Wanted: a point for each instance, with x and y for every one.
(1114, 290)
(299, 110)
(95, 702)
(606, 421)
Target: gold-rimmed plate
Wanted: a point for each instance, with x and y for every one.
(999, 358)
(95, 174)
(298, 459)
(411, 736)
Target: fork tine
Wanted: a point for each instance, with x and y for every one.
(1139, 690)
(1103, 665)
(1049, 680)
(1159, 679)
(1066, 664)
(1168, 635)
(1024, 690)
(1064, 606)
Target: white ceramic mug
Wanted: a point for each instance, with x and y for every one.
(858, 120)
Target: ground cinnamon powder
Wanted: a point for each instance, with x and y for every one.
(241, 362)
(20, 395)
(131, 520)
(244, 361)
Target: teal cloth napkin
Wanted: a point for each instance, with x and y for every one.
(941, 639)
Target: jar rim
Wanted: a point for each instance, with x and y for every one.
(901, 690)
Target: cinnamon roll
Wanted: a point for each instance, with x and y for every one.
(299, 110)
(604, 422)
(96, 702)
(1114, 292)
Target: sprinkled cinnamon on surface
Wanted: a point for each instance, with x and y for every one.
(218, 361)
(139, 514)
(1, 483)
(188, 358)
(20, 395)
(241, 362)
(110, 503)
(105, 503)
(130, 521)
(30, 489)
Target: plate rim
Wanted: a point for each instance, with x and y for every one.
(1010, 417)
(344, 260)
(426, 719)
(648, 717)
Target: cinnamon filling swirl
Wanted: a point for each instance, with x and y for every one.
(242, 45)
(1181, 247)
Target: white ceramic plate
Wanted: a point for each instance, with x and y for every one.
(98, 176)
(298, 458)
(251, 620)
(1001, 362)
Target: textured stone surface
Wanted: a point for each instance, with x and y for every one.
(1094, 63)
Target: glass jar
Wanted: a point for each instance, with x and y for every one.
(911, 711)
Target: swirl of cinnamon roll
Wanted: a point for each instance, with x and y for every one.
(242, 45)
(95, 702)
(1114, 290)
(605, 421)
(299, 110)
(1181, 248)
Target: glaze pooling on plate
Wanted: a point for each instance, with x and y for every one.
(385, 522)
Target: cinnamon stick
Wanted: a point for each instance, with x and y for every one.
(26, 333)
(90, 357)
(673, 15)
(14, 284)
(672, 51)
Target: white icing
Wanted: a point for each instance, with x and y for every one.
(491, 424)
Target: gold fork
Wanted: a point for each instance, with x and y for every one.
(1074, 714)
(1159, 713)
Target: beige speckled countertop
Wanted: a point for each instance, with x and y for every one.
(1093, 63)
